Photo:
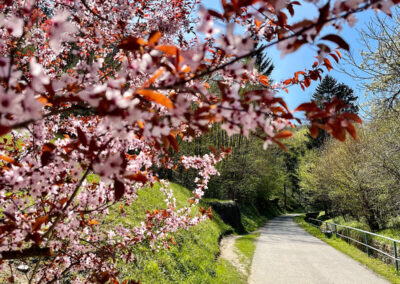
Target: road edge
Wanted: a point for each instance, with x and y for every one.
(379, 268)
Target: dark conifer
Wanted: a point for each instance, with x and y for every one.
(264, 63)
(325, 92)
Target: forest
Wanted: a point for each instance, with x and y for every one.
(358, 180)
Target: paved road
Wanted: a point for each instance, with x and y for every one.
(286, 253)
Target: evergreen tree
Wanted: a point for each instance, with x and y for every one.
(264, 63)
(328, 89)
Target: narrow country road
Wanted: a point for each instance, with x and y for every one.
(286, 253)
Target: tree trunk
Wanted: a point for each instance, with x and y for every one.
(284, 196)
(371, 220)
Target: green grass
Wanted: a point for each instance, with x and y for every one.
(192, 260)
(351, 223)
(383, 269)
(7, 139)
(246, 245)
(227, 273)
(392, 232)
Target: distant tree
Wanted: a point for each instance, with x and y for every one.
(356, 179)
(296, 149)
(377, 66)
(328, 89)
(264, 63)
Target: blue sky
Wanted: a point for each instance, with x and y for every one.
(304, 57)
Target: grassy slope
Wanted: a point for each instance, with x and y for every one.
(192, 260)
(387, 271)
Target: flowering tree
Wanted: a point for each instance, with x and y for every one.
(108, 88)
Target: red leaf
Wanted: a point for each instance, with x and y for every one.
(137, 177)
(166, 142)
(34, 237)
(168, 49)
(306, 107)
(314, 131)
(38, 222)
(323, 15)
(213, 149)
(334, 56)
(93, 222)
(156, 74)
(352, 131)
(296, 75)
(328, 64)
(7, 228)
(154, 37)
(215, 14)
(7, 159)
(173, 143)
(257, 23)
(132, 43)
(283, 134)
(338, 40)
(46, 158)
(9, 216)
(287, 82)
(93, 146)
(353, 117)
(290, 9)
(282, 19)
(119, 189)
(156, 97)
(4, 130)
(325, 127)
(81, 136)
(302, 24)
(62, 201)
(48, 147)
(339, 133)
(280, 144)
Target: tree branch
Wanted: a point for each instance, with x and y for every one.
(25, 253)
(91, 11)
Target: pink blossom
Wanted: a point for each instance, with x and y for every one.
(61, 30)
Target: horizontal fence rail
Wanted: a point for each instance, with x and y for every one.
(330, 228)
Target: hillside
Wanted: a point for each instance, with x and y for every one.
(194, 258)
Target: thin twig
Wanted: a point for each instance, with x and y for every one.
(91, 11)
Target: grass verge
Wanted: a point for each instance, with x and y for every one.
(381, 268)
(246, 246)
